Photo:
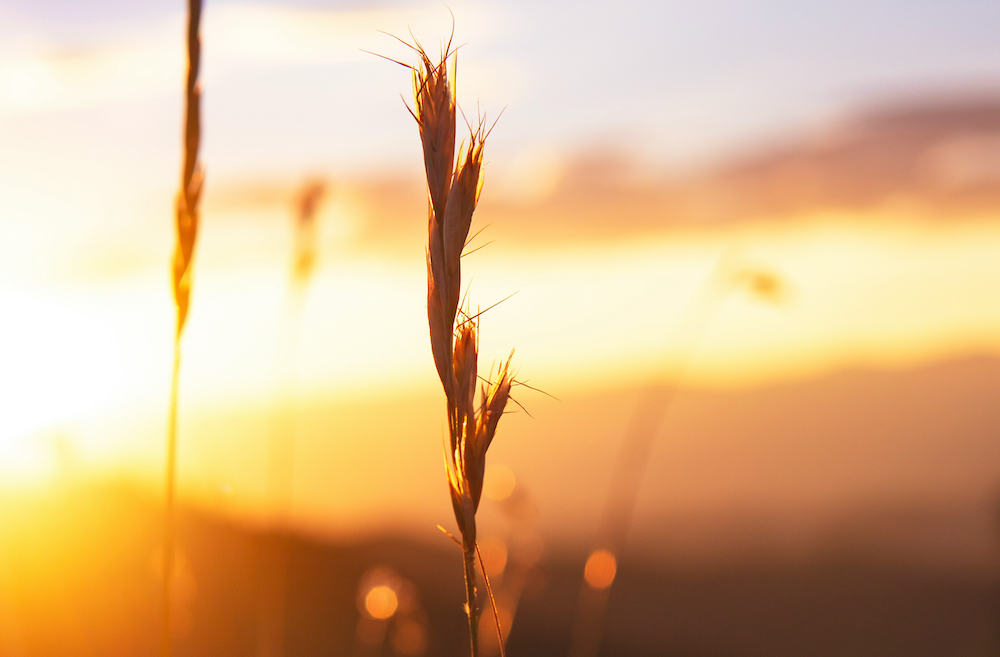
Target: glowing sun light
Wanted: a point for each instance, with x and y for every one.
(58, 366)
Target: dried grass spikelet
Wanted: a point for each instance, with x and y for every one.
(434, 100)
(446, 236)
(473, 428)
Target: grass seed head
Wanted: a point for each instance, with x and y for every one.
(453, 195)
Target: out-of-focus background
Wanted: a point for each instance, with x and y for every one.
(786, 212)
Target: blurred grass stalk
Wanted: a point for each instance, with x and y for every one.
(521, 553)
(187, 215)
(280, 474)
(728, 276)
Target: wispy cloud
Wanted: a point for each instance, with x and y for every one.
(49, 78)
(141, 61)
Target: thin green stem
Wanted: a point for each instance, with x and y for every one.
(274, 586)
(638, 443)
(168, 518)
(470, 595)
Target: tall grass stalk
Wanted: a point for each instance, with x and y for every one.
(187, 215)
(281, 461)
(644, 426)
(453, 191)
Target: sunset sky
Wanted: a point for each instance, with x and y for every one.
(90, 109)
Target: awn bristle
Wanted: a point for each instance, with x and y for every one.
(453, 194)
(187, 216)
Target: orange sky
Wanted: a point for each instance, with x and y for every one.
(88, 354)
(602, 261)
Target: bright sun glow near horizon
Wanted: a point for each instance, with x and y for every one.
(866, 292)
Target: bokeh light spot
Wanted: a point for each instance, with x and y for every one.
(494, 555)
(600, 569)
(410, 638)
(381, 602)
(499, 482)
